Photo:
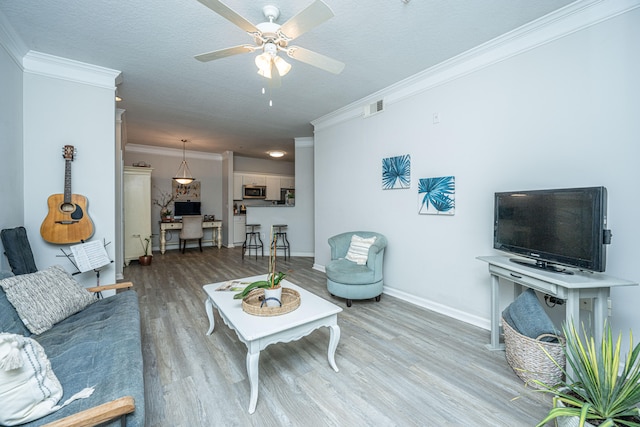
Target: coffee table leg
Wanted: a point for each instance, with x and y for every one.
(208, 305)
(333, 344)
(252, 371)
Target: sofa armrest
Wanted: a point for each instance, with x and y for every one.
(123, 285)
(98, 415)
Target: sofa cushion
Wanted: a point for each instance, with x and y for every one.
(9, 319)
(99, 346)
(46, 297)
(358, 251)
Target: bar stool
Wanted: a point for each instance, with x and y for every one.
(251, 240)
(280, 240)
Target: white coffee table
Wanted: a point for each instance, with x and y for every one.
(257, 332)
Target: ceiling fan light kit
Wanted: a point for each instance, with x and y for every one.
(272, 38)
(269, 59)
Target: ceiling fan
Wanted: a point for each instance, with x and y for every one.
(271, 38)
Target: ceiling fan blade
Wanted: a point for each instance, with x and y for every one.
(223, 53)
(230, 14)
(314, 14)
(317, 60)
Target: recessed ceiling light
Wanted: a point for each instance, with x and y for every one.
(276, 153)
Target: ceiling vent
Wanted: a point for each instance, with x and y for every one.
(374, 108)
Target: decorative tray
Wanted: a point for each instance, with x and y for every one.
(252, 303)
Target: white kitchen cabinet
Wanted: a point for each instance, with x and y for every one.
(251, 179)
(287, 182)
(137, 210)
(239, 229)
(273, 187)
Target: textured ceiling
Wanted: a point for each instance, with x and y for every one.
(218, 105)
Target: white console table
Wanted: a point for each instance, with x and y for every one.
(215, 226)
(570, 287)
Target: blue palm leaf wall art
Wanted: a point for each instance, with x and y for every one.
(436, 196)
(396, 172)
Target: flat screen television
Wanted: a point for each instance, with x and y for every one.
(186, 208)
(563, 227)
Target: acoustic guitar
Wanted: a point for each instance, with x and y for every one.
(67, 220)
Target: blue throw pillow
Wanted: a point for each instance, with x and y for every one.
(527, 316)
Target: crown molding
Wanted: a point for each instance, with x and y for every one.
(170, 152)
(47, 65)
(561, 23)
(303, 141)
(11, 42)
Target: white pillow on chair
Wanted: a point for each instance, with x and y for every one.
(359, 249)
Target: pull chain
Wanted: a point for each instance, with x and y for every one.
(270, 100)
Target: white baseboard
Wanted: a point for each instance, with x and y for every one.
(430, 305)
(439, 308)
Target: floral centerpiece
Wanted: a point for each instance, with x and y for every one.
(272, 283)
(163, 201)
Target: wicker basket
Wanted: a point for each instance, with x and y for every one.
(252, 303)
(528, 359)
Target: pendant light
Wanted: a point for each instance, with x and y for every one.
(183, 176)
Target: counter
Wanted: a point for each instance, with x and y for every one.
(263, 204)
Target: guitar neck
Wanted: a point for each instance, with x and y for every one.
(67, 181)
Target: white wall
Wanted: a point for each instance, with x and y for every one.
(11, 148)
(205, 167)
(550, 108)
(299, 218)
(266, 166)
(67, 102)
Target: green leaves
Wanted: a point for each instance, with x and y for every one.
(596, 390)
(272, 281)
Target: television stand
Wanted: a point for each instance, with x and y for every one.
(543, 265)
(568, 287)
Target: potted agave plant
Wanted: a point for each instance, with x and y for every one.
(597, 392)
(271, 286)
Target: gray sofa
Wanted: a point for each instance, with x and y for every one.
(99, 347)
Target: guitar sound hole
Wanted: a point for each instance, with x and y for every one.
(67, 207)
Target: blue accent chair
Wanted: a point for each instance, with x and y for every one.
(345, 278)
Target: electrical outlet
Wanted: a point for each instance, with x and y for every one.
(586, 304)
(609, 307)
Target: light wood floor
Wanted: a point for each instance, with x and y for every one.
(400, 365)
